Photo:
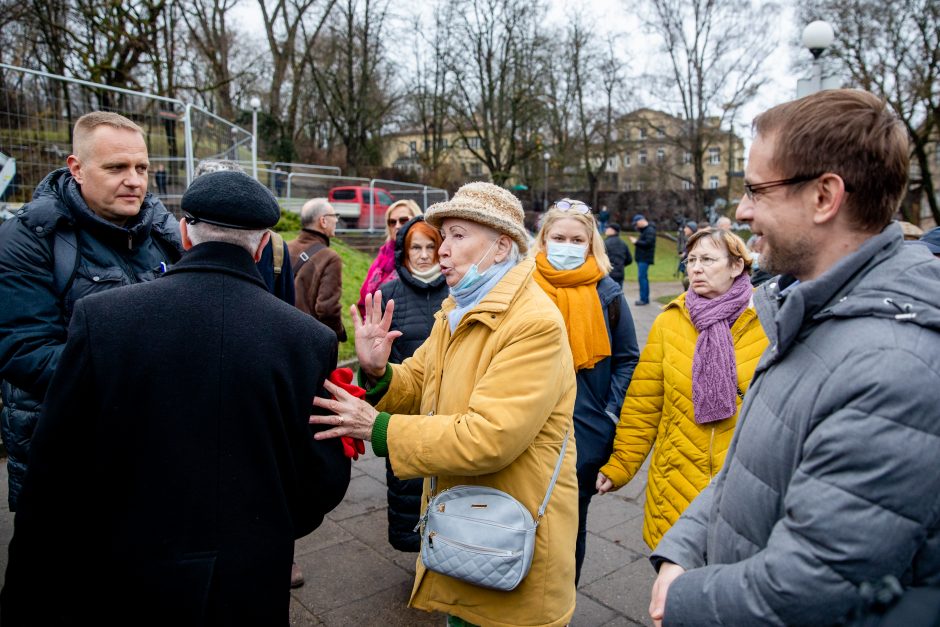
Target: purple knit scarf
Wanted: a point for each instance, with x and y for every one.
(714, 372)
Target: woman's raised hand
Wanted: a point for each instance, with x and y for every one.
(373, 338)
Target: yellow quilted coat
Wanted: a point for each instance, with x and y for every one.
(502, 391)
(658, 409)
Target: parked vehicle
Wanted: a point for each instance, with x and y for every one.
(353, 204)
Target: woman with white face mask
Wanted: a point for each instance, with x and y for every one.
(572, 266)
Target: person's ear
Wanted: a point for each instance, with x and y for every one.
(503, 246)
(264, 242)
(184, 234)
(737, 267)
(75, 168)
(828, 197)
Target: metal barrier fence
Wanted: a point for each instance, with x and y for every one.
(360, 202)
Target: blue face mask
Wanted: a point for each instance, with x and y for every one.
(473, 275)
(565, 256)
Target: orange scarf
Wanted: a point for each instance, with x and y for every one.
(574, 292)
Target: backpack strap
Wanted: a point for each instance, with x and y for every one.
(65, 260)
(277, 244)
(306, 255)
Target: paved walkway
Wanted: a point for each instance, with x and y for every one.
(354, 577)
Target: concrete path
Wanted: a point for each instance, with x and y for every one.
(354, 577)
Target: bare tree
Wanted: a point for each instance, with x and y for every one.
(352, 78)
(428, 93)
(892, 49)
(211, 34)
(496, 82)
(714, 66)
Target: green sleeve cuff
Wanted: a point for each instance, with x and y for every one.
(380, 434)
(375, 394)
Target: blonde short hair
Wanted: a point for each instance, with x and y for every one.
(413, 208)
(595, 242)
(86, 125)
(727, 241)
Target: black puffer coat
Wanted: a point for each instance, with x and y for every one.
(34, 316)
(415, 305)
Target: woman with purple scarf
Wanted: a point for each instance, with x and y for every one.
(687, 389)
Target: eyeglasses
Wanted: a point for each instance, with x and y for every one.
(706, 262)
(399, 221)
(572, 205)
(752, 189)
(331, 215)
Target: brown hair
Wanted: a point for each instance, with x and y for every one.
(848, 132)
(724, 239)
(427, 230)
(86, 124)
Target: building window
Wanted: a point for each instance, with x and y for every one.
(413, 149)
(628, 186)
(686, 158)
(660, 155)
(660, 133)
(712, 182)
(626, 160)
(714, 156)
(639, 186)
(686, 185)
(642, 132)
(476, 169)
(642, 157)
(474, 142)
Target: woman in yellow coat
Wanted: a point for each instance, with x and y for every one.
(686, 391)
(486, 401)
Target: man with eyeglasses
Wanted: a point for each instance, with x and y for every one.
(830, 484)
(318, 270)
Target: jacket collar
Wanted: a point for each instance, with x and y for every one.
(497, 301)
(220, 257)
(786, 313)
(310, 236)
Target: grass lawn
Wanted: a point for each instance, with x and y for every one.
(667, 260)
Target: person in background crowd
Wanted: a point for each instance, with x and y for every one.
(498, 413)
(723, 223)
(830, 484)
(382, 269)
(418, 293)
(645, 255)
(688, 229)
(185, 401)
(617, 252)
(319, 269)
(931, 239)
(274, 265)
(160, 179)
(687, 389)
(571, 266)
(603, 217)
(759, 276)
(91, 226)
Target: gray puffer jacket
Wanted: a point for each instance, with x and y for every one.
(832, 477)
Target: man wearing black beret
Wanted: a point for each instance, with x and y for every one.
(173, 464)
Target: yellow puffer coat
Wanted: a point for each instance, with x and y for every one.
(502, 395)
(658, 409)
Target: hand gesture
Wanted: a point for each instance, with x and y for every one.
(373, 338)
(352, 417)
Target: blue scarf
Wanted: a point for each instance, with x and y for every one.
(467, 298)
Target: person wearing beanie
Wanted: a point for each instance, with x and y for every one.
(185, 404)
(571, 265)
(486, 400)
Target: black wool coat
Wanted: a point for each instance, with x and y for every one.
(174, 463)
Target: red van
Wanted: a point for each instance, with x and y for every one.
(353, 204)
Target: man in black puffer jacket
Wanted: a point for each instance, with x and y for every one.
(418, 293)
(90, 227)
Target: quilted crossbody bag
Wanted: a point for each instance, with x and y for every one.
(481, 535)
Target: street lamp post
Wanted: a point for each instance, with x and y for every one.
(817, 36)
(255, 104)
(546, 157)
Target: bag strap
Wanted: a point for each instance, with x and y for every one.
(65, 260)
(277, 248)
(306, 255)
(551, 484)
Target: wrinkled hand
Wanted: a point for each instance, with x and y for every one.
(603, 483)
(668, 572)
(343, 377)
(351, 416)
(373, 338)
